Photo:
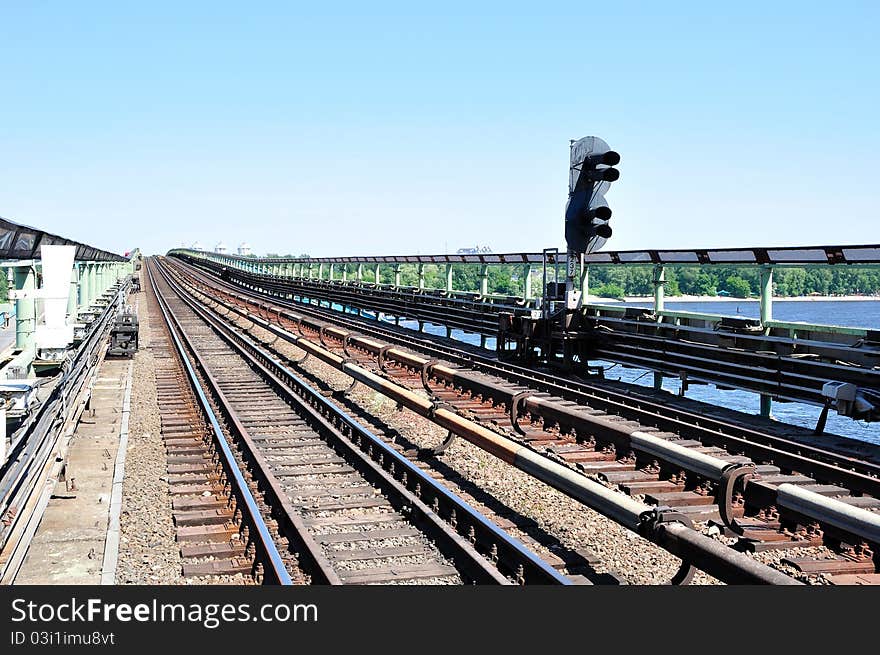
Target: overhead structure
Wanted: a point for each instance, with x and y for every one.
(23, 242)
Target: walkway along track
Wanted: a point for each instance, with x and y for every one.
(37, 453)
(352, 509)
(667, 528)
(795, 494)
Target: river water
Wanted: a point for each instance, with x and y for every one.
(850, 313)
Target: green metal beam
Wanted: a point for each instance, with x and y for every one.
(25, 280)
(766, 294)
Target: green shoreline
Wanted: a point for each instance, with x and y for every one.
(725, 299)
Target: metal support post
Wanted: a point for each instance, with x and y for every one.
(766, 317)
(659, 289)
(484, 280)
(766, 406)
(448, 278)
(83, 284)
(527, 282)
(421, 270)
(396, 275)
(93, 283)
(658, 380)
(659, 281)
(766, 295)
(73, 296)
(585, 283)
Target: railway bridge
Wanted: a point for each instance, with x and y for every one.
(204, 417)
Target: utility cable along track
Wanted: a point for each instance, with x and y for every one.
(352, 509)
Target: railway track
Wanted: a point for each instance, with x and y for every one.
(705, 468)
(218, 521)
(644, 406)
(350, 507)
(578, 563)
(780, 364)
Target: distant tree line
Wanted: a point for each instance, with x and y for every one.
(617, 281)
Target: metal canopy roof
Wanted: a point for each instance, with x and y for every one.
(786, 256)
(23, 242)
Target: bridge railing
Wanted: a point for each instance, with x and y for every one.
(782, 256)
(353, 269)
(625, 327)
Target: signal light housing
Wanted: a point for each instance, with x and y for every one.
(587, 213)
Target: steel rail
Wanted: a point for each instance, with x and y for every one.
(857, 475)
(783, 374)
(719, 471)
(715, 558)
(24, 504)
(289, 521)
(259, 360)
(737, 359)
(518, 560)
(266, 552)
(709, 467)
(464, 310)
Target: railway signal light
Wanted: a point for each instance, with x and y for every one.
(591, 172)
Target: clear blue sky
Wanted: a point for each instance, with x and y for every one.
(372, 128)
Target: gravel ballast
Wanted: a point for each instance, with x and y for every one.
(148, 552)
